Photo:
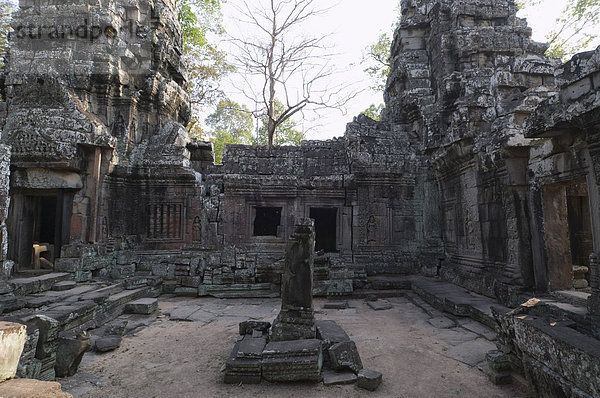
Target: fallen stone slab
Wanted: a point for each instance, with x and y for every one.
(248, 327)
(330, 333)
(379, 305)
(345, 355)
(442, 322)
(12, 340)
(331, 378)
(183, 312)
(369, 379)
(471, 352)
(336, 305)
(108, 343)
(64, 285)
(28, 388)
(144, 306)
(251, 347)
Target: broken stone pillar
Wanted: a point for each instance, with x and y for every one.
(296, 319)
(12, 341)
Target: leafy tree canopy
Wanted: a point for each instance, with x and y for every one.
(230, 123)
(374, 111)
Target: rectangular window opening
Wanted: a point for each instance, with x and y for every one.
(267, 221)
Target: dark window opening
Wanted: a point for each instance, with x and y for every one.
(267, 221)
(325, 228)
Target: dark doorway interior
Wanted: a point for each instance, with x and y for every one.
(267, 221)
(36, 232)
(45, 222)
(325, 228)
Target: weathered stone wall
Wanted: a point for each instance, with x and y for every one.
(563, 166)
(464, 77)
(369, 177)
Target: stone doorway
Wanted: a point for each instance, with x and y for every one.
(38, 225)
(325, 228)
(568, 234)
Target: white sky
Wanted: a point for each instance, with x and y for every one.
(355, 24)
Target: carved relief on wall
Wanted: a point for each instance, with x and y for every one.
(165, 221)
(197, 230)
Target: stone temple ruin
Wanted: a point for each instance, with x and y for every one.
(484, 172)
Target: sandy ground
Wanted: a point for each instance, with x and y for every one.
(421, 354)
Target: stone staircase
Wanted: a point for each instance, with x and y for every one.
(51, 304)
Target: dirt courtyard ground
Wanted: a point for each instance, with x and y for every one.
(421, 353)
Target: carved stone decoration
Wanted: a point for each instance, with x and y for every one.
(197, 230)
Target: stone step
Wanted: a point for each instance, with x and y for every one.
(126, 296)
(64, 285)
(256, 290)
(366, 293)
(144, 306)
(573, 297)
(456, 300)
(389, 282)
(38, 284)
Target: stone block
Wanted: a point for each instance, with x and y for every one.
(64, 285)
(369, 379)
(331, 378)
(12, 340)
(108, 343)
(379, 305)
(295, 360)
(251, 347)
(71, 348)
(186, 291)
(27, 388)
(336, 305)
(242, 370)
(145, 306)
(330, 333)
(248, 327)
(67, 265)
(345, 355)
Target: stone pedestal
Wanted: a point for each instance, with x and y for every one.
(12, 341)
(296, 319)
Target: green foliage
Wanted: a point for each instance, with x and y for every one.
(206, 64)
(575, 29)
(377, 56)
(231, 123)
(197, 18)
(374, 111)
(286, 133)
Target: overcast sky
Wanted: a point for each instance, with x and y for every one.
(355, 24)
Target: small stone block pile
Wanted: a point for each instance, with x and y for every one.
(297, 347)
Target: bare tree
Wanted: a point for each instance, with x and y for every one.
(282, 62)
